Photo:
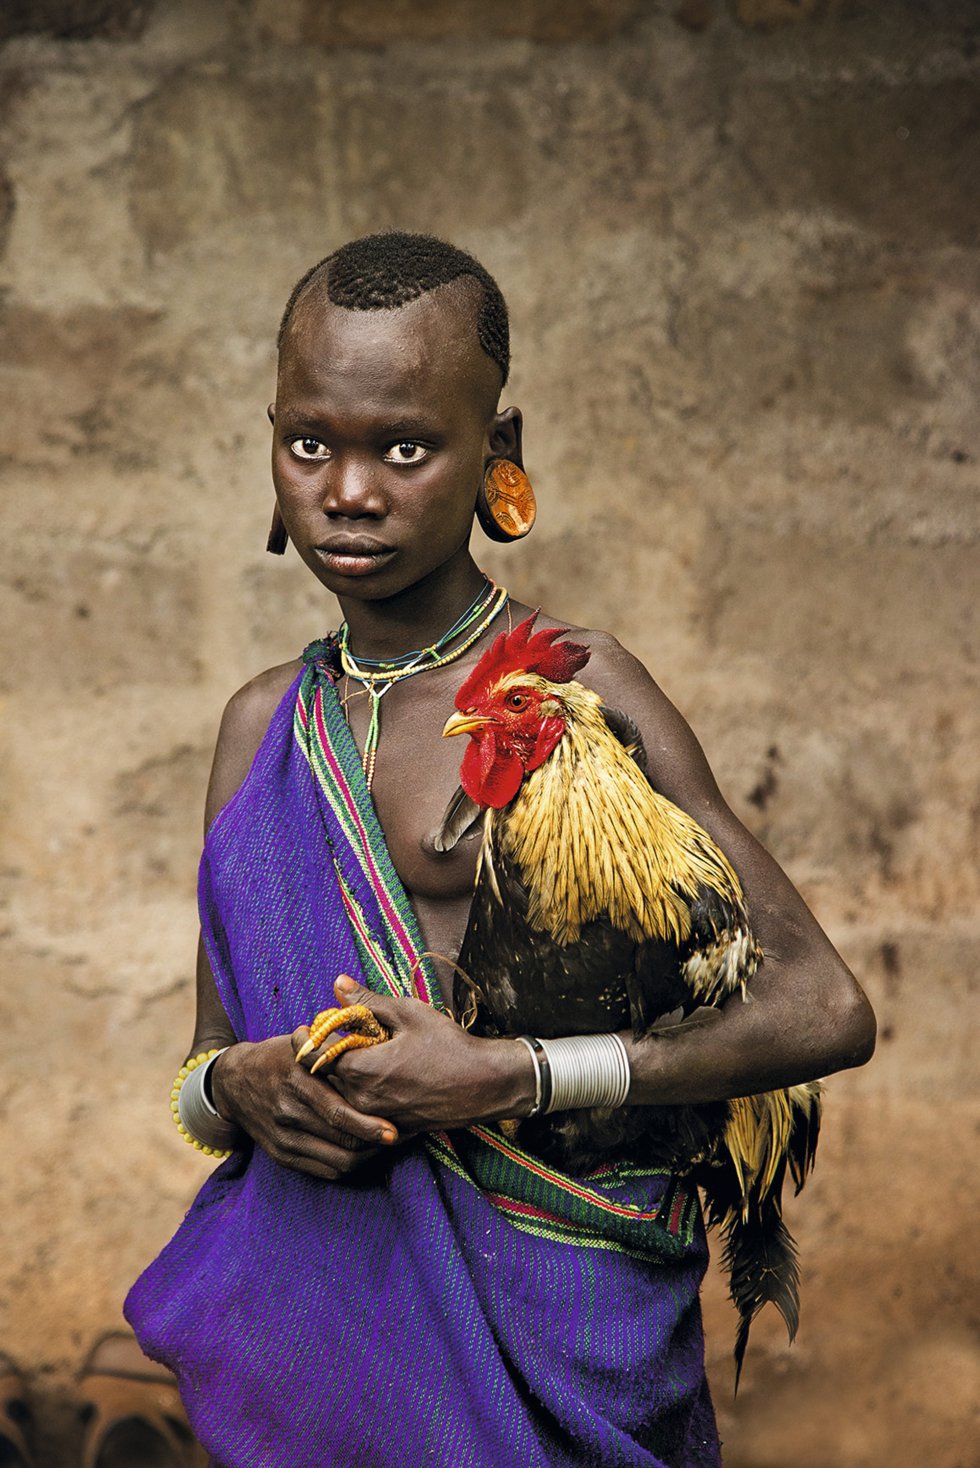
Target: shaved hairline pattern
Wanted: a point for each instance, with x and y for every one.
(384, 271)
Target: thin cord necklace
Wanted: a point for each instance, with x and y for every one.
(377, 676)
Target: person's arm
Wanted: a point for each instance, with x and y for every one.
(805, 1015)
(301, 1121)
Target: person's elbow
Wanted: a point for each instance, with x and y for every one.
(853, 1033)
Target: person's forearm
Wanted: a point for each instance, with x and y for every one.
(711, 1056)
(506, 1086)
(226, 1096)
(758, 1044)
(767, 1041)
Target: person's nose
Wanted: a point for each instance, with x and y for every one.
(352, 490)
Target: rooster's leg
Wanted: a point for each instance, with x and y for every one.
(362, 1029)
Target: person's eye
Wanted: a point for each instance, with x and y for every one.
(309, 448)
(406, 452)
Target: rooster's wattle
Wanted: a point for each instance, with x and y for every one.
(600, 905)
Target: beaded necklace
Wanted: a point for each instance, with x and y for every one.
(377, 676)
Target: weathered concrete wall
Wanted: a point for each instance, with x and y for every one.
(742, 245)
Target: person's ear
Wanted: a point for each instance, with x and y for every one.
(506, 436)
(505, 504)
(271, 412)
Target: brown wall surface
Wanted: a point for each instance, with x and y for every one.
(741, 245)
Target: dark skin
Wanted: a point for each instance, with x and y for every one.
(382, 426)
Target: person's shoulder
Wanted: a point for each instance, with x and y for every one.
(251, 707)
(610, 663)
(622, 680)
(615, 673)
(243, 724)
(675, 760)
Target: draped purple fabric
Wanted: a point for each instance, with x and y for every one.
(405, 1317)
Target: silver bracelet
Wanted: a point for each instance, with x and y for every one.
(533, 1046)
(586, 1070)
(199, 1118)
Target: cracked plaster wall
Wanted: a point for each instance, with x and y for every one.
(741, 243)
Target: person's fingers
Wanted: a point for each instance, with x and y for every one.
(321, 1158)
(349, 991)
(330, 1115)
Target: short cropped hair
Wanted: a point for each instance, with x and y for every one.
(383, 271)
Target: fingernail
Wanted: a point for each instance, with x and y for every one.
(388, 1137)
(344, 984)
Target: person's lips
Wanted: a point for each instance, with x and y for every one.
(353, 555)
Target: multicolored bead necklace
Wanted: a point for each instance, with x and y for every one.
(377, 677)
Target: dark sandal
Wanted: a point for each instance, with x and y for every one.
(131, 1410)
(15, 1418)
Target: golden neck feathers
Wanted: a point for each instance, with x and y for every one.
(591, 837)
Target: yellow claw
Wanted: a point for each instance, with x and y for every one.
(347, 1042)
(362, 1026)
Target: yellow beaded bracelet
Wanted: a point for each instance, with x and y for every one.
(178, 1084)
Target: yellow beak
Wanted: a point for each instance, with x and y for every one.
(463, 724)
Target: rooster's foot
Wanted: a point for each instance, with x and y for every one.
(362, 1029)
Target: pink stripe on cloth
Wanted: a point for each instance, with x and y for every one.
(527, 1210)
(562, 1180)
(419, 987)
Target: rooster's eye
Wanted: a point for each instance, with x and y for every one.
(516, 700)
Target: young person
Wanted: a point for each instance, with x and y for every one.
(372, 1278)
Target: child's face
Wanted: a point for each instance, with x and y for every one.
(380, 437)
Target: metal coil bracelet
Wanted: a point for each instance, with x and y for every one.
(198, 1120)
(586, 1070)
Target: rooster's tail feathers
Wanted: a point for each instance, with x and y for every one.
(806, 1105)
(760, 1256)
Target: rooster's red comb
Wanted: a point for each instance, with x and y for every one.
(519, 651)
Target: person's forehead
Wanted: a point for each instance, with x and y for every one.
(432, 338)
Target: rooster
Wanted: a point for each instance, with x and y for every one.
(600, 906)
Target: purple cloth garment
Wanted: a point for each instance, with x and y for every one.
(455, 1303)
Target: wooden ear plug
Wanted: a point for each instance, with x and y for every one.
(505, 506)
(363, 1030)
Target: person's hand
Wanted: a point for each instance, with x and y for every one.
(302, 1121)
(431, 1074)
